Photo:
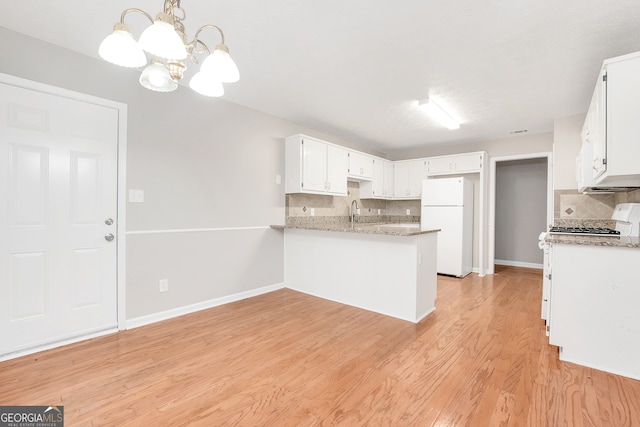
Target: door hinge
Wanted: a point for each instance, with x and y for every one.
(604, 77)
(302, 185)
(604, 161)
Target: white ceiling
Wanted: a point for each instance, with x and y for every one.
(357, 68)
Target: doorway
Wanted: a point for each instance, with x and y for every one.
(521, 191)
(59, 216)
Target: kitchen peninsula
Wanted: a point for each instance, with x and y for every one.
(386, 268)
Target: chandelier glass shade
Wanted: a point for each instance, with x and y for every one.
(166, 43)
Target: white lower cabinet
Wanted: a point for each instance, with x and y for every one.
(594, 307)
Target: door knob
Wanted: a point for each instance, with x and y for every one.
(108, 237)
(108, 221)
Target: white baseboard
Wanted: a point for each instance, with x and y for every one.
(518, 264)
(180, 311)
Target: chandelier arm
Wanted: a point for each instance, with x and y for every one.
(204, 49)
(134, 9)
(195, 37)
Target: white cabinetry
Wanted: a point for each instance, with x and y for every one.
(360, 166)
(408, 176)
(594, 307)
(389, 177)
(381, 187)
(457, 164)
(612, 126)
(315, 166)
(594, 131)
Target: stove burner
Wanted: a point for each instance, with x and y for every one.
(585, 230)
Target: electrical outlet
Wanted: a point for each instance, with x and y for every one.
(312, 211)
(379, 211)
(164, 285)
(136, 196)
(408, 211)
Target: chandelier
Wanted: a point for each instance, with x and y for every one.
(167, 44)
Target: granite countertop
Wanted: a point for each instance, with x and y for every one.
(389, 229)
(617, 241)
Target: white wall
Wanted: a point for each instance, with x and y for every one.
(566, 146)
(520, 144)
(203, 164)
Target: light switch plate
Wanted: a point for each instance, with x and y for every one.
(136, 196)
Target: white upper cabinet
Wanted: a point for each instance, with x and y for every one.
(389, 176)
(408, 176)
(613, 113)
(381, 186)
(337, 164)
(594, 132)
(360, 166)
(315, 166)
(319, 167)
(455, 164)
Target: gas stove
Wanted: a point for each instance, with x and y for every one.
(585, 231)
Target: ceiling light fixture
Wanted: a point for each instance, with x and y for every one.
(438, 113)
(166, 42)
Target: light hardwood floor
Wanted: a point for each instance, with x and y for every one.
(289, 359)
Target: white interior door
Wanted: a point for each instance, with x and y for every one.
(58, 190)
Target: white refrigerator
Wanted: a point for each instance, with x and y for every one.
(447, 204)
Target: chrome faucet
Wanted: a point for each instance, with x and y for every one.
(352, 213)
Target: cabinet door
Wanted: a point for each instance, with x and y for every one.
(378, 178)
(360, 165)
(446, 165)
(314, 165)
(388, 179)
(596, 127)
(401, 180)
(408, 178)
(416, 175)
(467, 163)
(622, 119)
(336, 172)
(439, 165)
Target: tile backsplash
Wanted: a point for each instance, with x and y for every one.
(570, 204)
(308, 205)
